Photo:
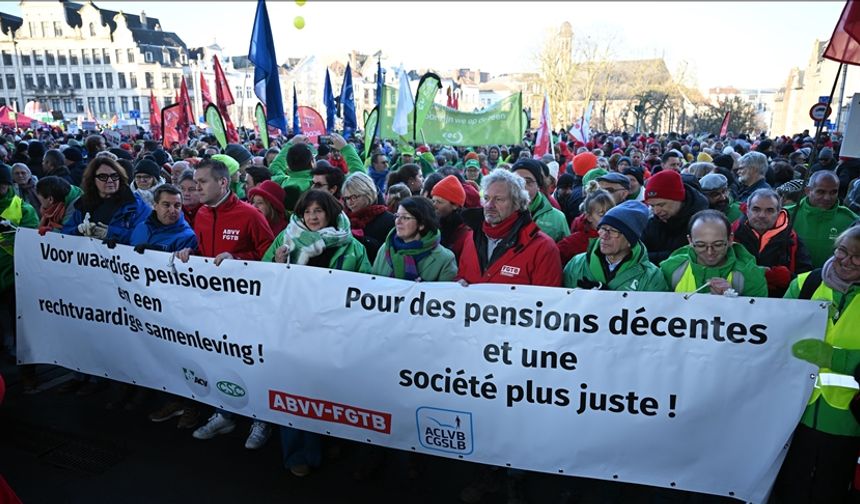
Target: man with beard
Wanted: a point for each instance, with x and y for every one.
(751, 171)
(715, 187)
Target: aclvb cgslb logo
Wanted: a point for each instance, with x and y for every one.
(445, 430)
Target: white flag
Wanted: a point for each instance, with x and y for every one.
(405, 104)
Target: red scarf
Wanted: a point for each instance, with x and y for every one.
(501, 229)
(52, 217)
(360, 219)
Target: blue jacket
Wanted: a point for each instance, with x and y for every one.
(157, 236)
(121, 224)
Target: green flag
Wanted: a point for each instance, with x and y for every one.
(501, 123)
(216, 124)
(370, 129)
(260, 116)
(429, 85)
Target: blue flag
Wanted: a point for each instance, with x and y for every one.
(330, 105)
(347, 101)
(266, 84)
(297, 125)
(379, 82)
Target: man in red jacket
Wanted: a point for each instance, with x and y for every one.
(226, 227)
(507, 246)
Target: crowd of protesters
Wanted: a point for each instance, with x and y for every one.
(748, 216)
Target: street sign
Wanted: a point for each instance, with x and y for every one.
(134, 114)
(820, 111)
(823, 99)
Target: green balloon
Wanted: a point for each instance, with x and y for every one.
(299, 22)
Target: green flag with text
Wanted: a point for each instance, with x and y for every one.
(260, 116)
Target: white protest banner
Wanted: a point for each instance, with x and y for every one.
(699, 394)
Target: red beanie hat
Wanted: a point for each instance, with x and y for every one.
(666, 184)
(271, 192)
(450, 189)
(584, 162)
(471, 155)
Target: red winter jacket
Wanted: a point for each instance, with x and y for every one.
(528, 256)
(580, 234)
(233, 226)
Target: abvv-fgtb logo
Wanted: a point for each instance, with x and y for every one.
(445, 430)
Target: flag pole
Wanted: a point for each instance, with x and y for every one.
(813, 157)
(242, 106)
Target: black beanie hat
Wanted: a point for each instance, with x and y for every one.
(533, 166)
(5, 174)
(148, 167)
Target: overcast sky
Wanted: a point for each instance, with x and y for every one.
(745, 44)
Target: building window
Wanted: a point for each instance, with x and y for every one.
(150, 80)
(76, 81)
(165, 57)
(50, 58)
(121, 80)
(92, 30)
(130, 54)
(61, 58)
(109, 80)
(176, 82)
(132, 80)
(102, 107)
(97, 56)
(88, 79)
(38, 60)
(79, 104)
(1, 83)
(147, 57)
(106, 56)
(100, 81)
(44, 27)
(32, 27)
(58, 31)
(247, 92)
(53, 82)
(118, 55)
(86, 57)
(40, 80)
(55, 104)
(25, 59)
(112, 105)
(73, 57)
(7, 58)
(64, 81)
(67, 106)
(123, 103)
(28, 81)
(165, 81)
(91, 105)
(135, 103)
(2, 101)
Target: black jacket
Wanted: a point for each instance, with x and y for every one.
(663, 238)
(784, 248)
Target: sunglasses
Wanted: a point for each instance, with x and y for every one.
(104, 177)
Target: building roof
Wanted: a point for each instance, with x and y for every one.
(144, 29)
(9, 22)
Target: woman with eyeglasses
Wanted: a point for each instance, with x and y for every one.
(108, 209)
(712, 258)
(318, 235)
(370, 221)
(821, 462)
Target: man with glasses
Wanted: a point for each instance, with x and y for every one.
(379, 173)
(712, 259)
(550, 220)
(715, 187)
(751, 172)
(616, 185)
(617, 260)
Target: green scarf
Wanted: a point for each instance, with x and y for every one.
(305, 244)
(537, 206)
(403, 257)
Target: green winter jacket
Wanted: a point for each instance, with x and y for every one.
(550, 220)
(636, 273)
(295, 183)
(818, 228)
(439, 266)
(747, 277)
(29, 219)
(349, 257)
(819, 415)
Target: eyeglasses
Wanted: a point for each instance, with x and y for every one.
(403, 217)
(104, 177)
(840, 253)
(608, 231)
(716, 246)
(351, 197)
(530, 181)
(318, 185)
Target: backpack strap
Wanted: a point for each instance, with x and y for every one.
(813, 280)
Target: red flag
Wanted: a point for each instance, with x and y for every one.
(844, 45)
(154, 117)
(225, 98)
(450, 102)
(543, 142)
(204, 92)
(312, 123)
(724, 129)
(188, 116)
(172, 132)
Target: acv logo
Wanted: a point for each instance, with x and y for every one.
(230, 388)
(195, 378)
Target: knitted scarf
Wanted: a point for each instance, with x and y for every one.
(305, 244)
(52, 217)
(403, 257)
(829, 277)
(361, 218)
(501, 229)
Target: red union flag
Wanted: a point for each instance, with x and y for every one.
(154, 117)
(225, 98)
(543, 142)
(844, 45)
(724, 129)
(170, 124)
(204, 92)
(312, 123)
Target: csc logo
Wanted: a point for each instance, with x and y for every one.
(230, 389)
